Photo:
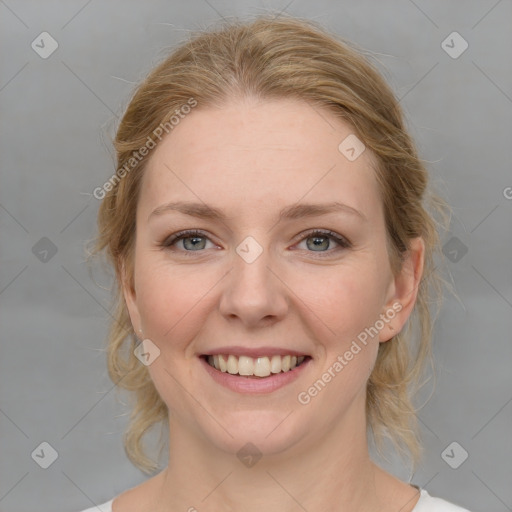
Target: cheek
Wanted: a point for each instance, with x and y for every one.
(170, 301)
(348, 304)
(347, 299)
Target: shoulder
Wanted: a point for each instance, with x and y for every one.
(104, 507)
(428, 503)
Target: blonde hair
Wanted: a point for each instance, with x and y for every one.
(279, 58)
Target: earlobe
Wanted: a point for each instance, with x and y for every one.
(405, 290)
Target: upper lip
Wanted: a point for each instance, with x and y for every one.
(253, 351)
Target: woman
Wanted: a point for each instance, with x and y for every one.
(274, 256)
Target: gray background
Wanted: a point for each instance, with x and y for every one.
(57, 119)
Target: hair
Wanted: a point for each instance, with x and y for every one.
(278, 58)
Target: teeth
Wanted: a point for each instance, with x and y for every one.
(232, 365)
(245, 365)
(259, 367)
(275, 364)
(223, 364)
(262, 367)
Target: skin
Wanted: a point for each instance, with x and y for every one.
(251, 158)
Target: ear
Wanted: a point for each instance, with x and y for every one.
(403, 290)
(130, 297)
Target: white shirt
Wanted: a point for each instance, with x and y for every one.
(426, 503)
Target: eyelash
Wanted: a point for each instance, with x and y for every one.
(343, 242)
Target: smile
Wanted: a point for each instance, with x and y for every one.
(254, 366)
(260, 374)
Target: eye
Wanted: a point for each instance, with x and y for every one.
(322, 241)
(191, 241)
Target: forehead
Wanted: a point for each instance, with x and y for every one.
(260, 153)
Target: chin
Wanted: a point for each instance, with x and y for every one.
(271, 431)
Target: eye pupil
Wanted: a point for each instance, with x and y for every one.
(195, 242)
(318, 242)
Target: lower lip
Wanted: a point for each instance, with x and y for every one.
(255, 385)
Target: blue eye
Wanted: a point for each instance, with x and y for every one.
(192, 240)
(321, 241)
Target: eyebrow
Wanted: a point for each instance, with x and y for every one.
(296, 211)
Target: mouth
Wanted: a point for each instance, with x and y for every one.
(262, 367)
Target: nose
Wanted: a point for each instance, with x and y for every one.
(253, 293)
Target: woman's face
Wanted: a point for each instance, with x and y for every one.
(289, 259)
